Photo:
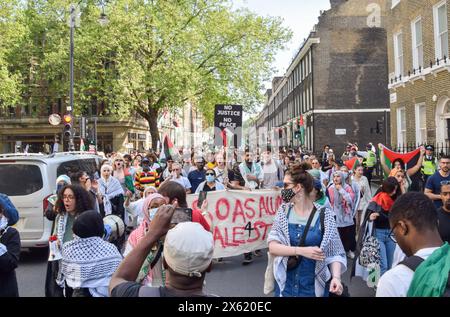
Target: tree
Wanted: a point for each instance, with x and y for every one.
(194, 50)
(152, 55)
(10, 30)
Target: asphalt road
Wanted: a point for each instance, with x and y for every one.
(228, 278)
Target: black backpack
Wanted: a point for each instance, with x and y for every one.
(413, 263)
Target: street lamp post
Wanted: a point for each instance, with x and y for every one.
(70, 108)
(103, 20)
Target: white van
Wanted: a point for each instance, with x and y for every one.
(29, 179)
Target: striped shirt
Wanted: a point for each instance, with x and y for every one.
(143, 180)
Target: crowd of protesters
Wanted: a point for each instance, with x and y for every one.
(330, 214)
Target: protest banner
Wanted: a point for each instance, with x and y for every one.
(241, 220)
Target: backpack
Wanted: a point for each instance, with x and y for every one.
(413, 263)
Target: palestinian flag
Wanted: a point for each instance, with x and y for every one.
(168, 150)
(302, 130)
(228, 138)
(82, 146)
(410, 159)
(352, 163)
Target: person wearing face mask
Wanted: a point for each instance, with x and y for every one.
(210, 184)
(9, 248)
(197, 176)
(320, 254)
(273, 173)
(134, 209)
(151, 273)
(342, 198)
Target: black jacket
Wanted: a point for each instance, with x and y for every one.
(9, 262)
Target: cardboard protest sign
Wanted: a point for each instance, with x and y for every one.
(241, 220)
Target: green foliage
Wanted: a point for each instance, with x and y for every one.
(152, 54)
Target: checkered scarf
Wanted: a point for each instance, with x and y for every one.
(331, 246)
(89, 262)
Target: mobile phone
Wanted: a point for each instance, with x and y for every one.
(201, 198)
(181, 215)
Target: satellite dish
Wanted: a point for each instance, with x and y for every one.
(54, 119)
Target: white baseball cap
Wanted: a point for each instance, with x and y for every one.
(188, 249)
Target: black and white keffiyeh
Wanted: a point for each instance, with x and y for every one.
(109, 189)
(331, 246)
(89, 263)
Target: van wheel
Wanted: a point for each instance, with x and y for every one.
(40, 252)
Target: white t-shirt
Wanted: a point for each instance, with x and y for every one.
(183, 181)
(396, 281)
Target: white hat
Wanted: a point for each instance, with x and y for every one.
(188, 249)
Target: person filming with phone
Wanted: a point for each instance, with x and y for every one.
(188, 252)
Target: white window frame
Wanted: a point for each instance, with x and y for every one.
(399, 124)
(395, 3)
(399, 69)
(417, 62)
(419, 129)
(437, 36)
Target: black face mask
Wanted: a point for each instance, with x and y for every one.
(146, 169)
(287, 195)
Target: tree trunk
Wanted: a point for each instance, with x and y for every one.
(153, 123)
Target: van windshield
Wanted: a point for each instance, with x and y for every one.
(85, 165)
(20, 179)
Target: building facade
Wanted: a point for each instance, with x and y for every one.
(337, 83)
(19, 129)
(419, 71)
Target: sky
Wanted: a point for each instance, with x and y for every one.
(298, 15)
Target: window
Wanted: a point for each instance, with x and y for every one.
(32, 174)
(398, 54)
(417, 43)
(441, 30)
(310, 61)
(87, 165)
(394, 3)
(401, 127)
(421, 124)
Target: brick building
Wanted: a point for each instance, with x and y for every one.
(337, 82)
(419, 71)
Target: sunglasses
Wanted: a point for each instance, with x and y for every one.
(210, 174)
(444, 183)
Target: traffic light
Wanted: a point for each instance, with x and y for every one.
(67, 126)
(380, 124)
(297, 135)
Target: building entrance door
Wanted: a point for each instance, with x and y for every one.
(443, 121)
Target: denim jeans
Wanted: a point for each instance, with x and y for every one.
(387, 248)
